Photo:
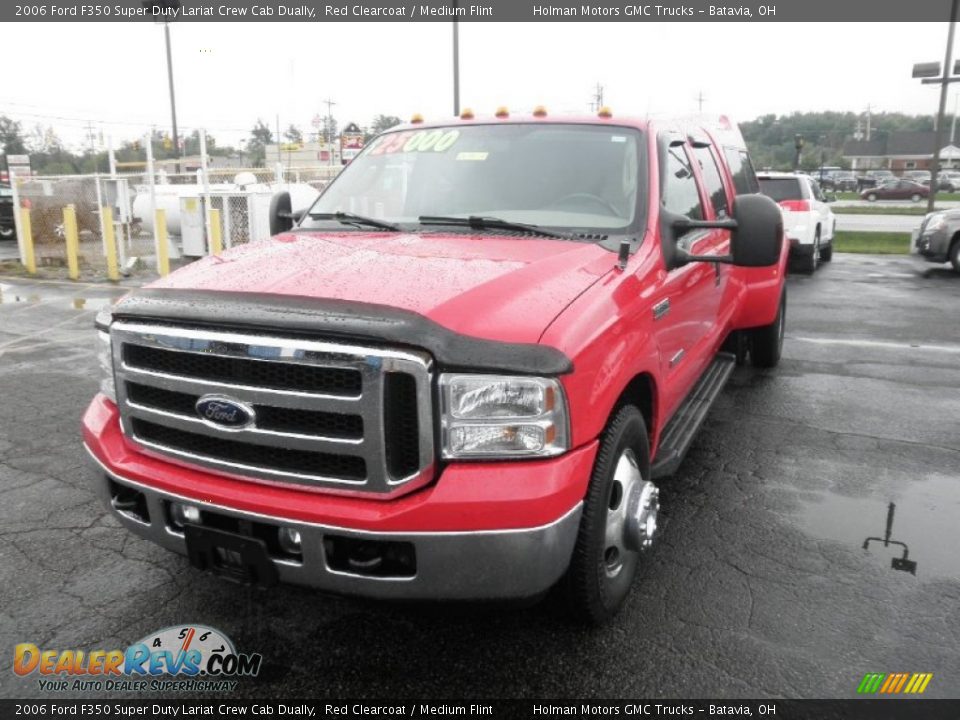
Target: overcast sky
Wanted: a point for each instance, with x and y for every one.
(228, 75)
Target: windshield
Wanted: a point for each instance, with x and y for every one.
(577, 177)
(781, 188)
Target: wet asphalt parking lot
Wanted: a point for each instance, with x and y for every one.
(760, 585)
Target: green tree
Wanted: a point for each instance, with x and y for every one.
(771, 138)
(379, 124)
(293, 134)
(260, 137)
(11, 137)
(329, 130)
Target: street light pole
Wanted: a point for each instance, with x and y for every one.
(173, 100)
(938, 132)
(456, 62)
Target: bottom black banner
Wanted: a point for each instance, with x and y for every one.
(892, 709)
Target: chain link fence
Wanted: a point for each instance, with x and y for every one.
(239, 197)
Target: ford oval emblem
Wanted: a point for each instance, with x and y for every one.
(223, 412)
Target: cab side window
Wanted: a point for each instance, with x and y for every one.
(712, 181)
(680, 194)
(741, 169)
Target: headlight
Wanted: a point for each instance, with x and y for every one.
(489, 416)
(105, 353)
(936, 222)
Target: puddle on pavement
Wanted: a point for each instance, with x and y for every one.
(10, 296)
(915, 531)
(13, 294)
(92, 303)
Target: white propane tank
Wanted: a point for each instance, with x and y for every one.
(168, 198)
(245, 183)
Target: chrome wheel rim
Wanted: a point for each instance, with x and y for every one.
(632, 510)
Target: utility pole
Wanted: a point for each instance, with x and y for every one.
(953, 124)
(329, 129)
(456, 61)
(700, 99)
(173, 99)
(868, 121)
(938, 134)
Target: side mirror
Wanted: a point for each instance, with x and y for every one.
(281, 213)
(758, 237)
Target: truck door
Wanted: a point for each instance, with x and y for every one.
(686, 309)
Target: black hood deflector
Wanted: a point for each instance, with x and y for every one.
(321, 318)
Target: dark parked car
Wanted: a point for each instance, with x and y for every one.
(897, 190)
(8, 229)
(874, 178)
(844, 180)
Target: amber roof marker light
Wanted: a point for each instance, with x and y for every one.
(502, 112)
(539, 111)
(416, 119)
(605, 112)
(467, 114)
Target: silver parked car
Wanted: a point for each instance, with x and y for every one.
(937, 240)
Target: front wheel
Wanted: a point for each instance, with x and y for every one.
(915, 197)
(766, 343)
(954, 255)
(872, 197)
(619, 521)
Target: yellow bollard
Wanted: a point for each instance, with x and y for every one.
(73, 241)
(216, 241)
(110, 240)
(163, 249)
(28, 255)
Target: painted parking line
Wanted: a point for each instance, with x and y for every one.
(952, 349)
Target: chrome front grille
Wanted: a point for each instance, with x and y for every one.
(325, 415)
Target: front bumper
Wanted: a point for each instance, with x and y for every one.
(482, 531)
(933, 247)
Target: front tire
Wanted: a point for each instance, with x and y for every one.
(620, 498)
(915, 197)
(954, 255)
(872, 197)
(766, 343)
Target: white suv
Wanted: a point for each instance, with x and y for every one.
(807, 219)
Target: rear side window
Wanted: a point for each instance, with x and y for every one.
(741, 169)
(782, 188)
(712, 181)
(680, 193)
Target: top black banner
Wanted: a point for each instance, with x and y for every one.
(478, 11)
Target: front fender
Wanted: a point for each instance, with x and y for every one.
(761, 288)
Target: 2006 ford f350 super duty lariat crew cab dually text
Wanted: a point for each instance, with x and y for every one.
(459, 374)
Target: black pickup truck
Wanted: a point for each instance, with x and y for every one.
(8, 229)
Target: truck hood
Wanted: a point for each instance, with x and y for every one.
(483, 285)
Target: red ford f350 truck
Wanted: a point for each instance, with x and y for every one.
(458, 374)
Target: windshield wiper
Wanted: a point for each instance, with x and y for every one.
(348, 218)
(477, 222)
